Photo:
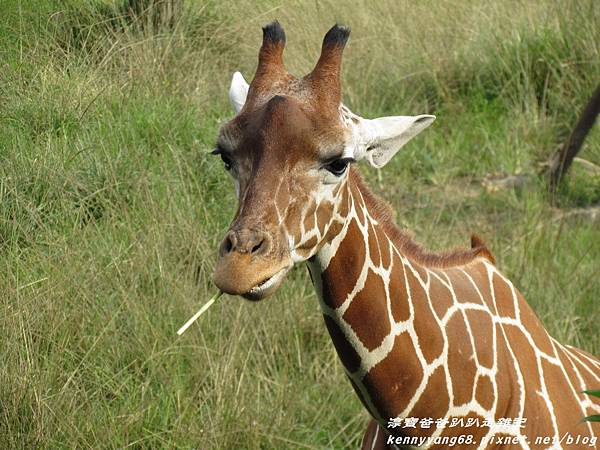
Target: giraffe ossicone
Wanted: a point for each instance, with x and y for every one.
(436, 338)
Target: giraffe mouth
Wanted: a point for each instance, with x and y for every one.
(267, 286)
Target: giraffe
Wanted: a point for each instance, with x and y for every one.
(441, 349)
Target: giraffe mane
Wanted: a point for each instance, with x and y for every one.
(383, 213)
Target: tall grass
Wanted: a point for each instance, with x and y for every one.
(111, 208)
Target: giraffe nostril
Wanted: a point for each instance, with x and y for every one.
(246, 241)
(257, 247)
(227, 244)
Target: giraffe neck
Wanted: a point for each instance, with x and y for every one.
(429, 336)
(363, 280)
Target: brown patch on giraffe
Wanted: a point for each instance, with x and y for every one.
(561, 395)
(398, 294)
(309, 221)
(538, 417)
(461, 361)
(374, 253)
(281, 197)
(440, 295)
(536, 411)
(417, 291)
(484, 393)
(590, 359)
(421, 271)
(481, 324)
(431, 339)
(435, 398)
(310, 243)
(340, 276)
(336, 190)
(568, 366)
(303, 252)
(293, 221)
(479, 275)
(532, 324)
(585, 366)
(463, 287)
(323, 214)
(360, 215)
(334, 229)
(305, 249)
(344, 349)
(394, 381)
(581, 360)
(566, 357)
(344, 203)
(384, 247)
(504, 297)
(368, 317)
(507, 378)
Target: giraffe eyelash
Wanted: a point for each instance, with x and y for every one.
(227, 160)
(218, 150)
(338, 166)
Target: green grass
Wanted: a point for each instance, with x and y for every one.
(111, 209)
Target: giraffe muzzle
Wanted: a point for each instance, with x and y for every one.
(248, 265)
(253, 242)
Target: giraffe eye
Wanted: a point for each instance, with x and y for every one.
(227, 161)
(339, 166)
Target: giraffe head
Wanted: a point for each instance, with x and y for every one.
(288, 150)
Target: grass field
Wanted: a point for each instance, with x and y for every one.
(111, 208)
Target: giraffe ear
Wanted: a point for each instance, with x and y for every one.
(380, 139)
(238, 91)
